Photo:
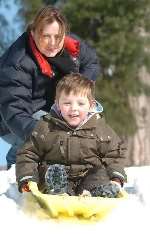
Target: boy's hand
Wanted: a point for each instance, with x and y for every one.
(25, 187)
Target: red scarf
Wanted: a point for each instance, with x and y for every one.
(70, 44)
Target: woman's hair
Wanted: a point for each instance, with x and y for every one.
(48, 15)
(76, 83)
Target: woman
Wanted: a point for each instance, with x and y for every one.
(32, 66)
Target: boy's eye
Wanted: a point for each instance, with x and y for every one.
(81, 104)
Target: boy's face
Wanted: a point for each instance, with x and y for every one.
(74, 108)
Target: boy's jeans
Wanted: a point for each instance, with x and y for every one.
(15, 142)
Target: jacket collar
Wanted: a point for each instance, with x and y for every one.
(90, 122)
(70, 44)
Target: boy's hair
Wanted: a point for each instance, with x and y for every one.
(76, 83)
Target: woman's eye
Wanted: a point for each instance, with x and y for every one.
(57, 37)
(45, 37)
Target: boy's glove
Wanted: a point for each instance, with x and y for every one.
(110, 190)
(24, 187)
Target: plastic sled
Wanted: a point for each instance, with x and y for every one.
(65, 206)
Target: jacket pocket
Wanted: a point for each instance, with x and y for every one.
(56, 149)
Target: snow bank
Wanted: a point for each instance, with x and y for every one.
(131, 216)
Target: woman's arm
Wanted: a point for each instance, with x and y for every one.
(16, 100)
(89, 62)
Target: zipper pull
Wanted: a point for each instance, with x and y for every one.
(62, 148)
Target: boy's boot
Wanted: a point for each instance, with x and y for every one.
(110, 190)
(56, 179)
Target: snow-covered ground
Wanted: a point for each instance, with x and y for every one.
(131, 216)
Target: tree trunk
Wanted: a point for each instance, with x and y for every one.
(139, 144)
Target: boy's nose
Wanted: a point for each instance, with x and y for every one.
(74, 107)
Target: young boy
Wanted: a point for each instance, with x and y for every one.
(72, 149)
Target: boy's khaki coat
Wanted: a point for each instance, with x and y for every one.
(93, 145)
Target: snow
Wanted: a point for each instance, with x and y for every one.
(131, 216)
(11, 8)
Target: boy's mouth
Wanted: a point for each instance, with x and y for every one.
(73, 116)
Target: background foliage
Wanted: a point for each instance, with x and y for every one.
(115, 28)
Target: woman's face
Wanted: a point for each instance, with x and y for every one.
(48, 42)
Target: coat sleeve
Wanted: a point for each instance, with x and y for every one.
(30, 155)
(89, 61)
(111, 151)
(15, 100)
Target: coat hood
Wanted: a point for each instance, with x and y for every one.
(97, 109)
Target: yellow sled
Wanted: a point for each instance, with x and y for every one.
(64, 206)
